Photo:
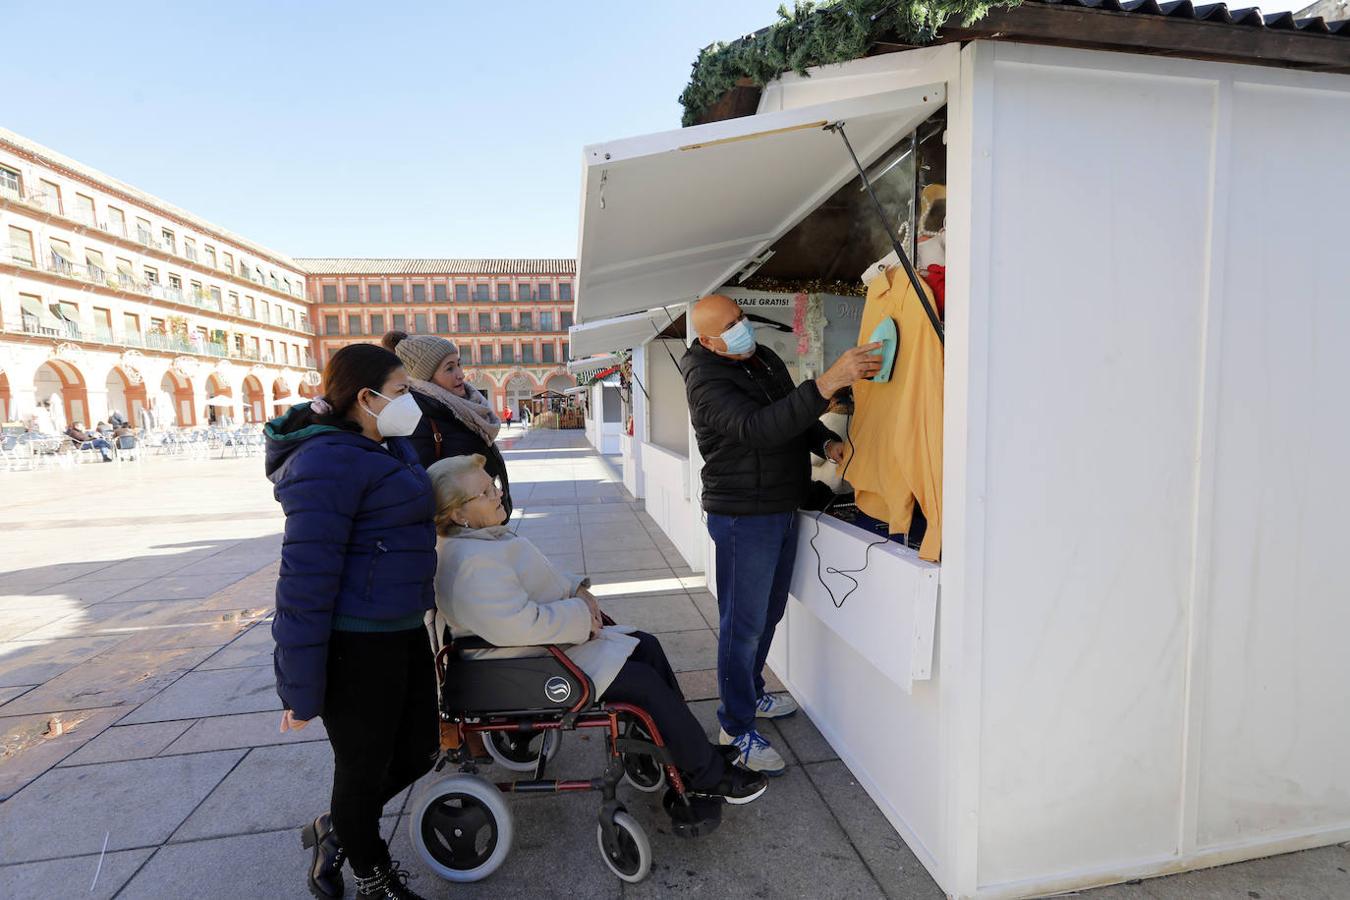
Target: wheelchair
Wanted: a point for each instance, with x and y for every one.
(461, 826)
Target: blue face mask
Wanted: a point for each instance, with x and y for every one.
(739, 338)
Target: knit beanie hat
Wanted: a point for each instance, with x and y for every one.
(422, 353)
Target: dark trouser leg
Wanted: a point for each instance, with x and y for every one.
(748, 553)
(644, 685)
(371, 709)
(778, 595)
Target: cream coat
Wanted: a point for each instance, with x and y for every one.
(500, 587)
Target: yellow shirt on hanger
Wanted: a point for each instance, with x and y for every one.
(896, 432)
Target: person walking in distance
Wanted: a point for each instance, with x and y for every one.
(358, 564)
(756, 432)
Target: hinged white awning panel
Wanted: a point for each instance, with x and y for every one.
(592, 364)
(668, 217)
(618, 333)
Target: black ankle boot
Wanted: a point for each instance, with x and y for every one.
(385, 883)
(325, 869)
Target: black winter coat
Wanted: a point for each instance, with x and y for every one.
(755, 431)
(457, 439)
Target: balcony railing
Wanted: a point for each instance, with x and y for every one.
(60, 330)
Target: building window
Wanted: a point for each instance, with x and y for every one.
(545, 292)
(143, 231)
(353, 293)
(353, 324)
(485, 354)
(196, 288)
(131, 325)
(462, 323)
(210, 255)
(545, 321)
(175, 282)
(420, 323)
(11, 183)
(508, 353)
(400, 322)
(564, 290)
(286, 285)
(330, 293)
(272, 281)
(21, 245)
(442, 322)
(51, 195)
(565, 351)
(190, 248)
(395, 293)
(566, 321)
(93, 261)
(439, 293)
(526, 322)
(170, 240)
(152, 276)
(215, 298)
(117, 221)
(258, 275)
(84, 209)
(485, 322)
(482, 292)
(234, 304)
(227, 261)
(419, 293)
(266, 310)
(330, 325)
(524, 292)
(248, 307)
(462, 293)
(504, 321)
(62, 260)
(547, 351)
(527, 353)
(375, 293)
(503, 293)
(377, 323)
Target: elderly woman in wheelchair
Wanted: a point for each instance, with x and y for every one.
(532, 655)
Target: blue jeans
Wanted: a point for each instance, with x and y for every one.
(755, 555)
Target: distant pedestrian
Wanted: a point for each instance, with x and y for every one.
(506, 416)
(357, 567)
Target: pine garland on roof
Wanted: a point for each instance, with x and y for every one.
(816, 34)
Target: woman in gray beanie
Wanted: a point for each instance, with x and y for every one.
(457, 420)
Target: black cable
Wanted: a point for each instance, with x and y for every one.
(831, 570)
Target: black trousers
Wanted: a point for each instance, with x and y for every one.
(381, 716)
(647, 680)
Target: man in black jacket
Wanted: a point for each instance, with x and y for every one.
(756, 432)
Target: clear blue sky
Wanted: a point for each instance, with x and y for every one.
(359, 129)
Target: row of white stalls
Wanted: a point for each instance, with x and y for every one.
(1131, 658)
(606, 410)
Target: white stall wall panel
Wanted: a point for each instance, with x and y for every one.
(1100, 199)
(1276, 678)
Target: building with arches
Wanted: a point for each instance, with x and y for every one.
(510, 317)
(113, 299)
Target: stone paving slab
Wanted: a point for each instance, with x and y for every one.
(623, 560)
(689, 650)
(246, 730)
(655, 613)
(135, 804)
(35, 662)
(73, 877)
(9, 693)
(29, 749)
(181, 586)
(268, 865)
(124, 742)
(216, 693)
(111, 679)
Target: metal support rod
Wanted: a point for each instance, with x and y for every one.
(890, 232)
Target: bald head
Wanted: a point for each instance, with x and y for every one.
(711, 317)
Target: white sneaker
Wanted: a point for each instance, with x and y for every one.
(756, 754)
(771, 707)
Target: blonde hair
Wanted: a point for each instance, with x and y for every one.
(448, 477)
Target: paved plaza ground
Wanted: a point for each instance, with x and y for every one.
(134, 607)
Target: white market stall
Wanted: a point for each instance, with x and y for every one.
(1130, 659)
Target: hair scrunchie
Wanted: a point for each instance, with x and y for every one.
(321, 406)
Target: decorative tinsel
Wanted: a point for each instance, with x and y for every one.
(805, 286)
(816, 34)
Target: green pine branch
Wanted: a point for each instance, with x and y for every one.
(816, 34)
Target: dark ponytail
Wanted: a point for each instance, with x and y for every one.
(352, 369)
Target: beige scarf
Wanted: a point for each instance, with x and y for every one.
(472, 411)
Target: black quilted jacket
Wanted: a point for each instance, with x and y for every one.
(754, 429)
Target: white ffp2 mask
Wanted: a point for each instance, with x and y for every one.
(399, 418)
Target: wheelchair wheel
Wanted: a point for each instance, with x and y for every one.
(631, 856)
(641, 771)
(519, 752)
(461, 828)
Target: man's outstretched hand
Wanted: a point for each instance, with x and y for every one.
(855, 364)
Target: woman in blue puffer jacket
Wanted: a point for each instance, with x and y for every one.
(357, 576)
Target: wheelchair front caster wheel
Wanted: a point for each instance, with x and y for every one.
(519, 752)
(641, 771)
(461, 828)
(630, 856)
